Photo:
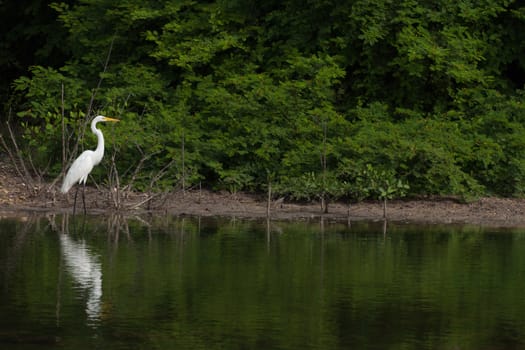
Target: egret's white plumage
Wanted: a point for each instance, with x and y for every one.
(82, 166)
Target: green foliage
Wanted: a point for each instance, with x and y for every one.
(54, 102)
(384, 183)
(311, 186)
(370, 182)
(235, 179)
(223, 93)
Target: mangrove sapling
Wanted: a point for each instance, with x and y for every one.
(381, 183)
(390, 189)
(387, 187)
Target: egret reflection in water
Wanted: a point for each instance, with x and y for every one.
(86, 271)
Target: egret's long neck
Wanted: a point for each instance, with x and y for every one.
(99, 151)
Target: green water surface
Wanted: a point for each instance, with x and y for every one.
(189, 283)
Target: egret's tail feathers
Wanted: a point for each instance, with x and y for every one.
(66, 186)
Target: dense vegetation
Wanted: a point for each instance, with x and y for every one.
(320, 98)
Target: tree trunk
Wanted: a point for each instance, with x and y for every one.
(269, 200)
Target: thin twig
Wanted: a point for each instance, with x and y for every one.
(149, 198)
(161, 173)
(63, 130)
(114, 183)
(94, 92)
(138, 168)
(19, 159)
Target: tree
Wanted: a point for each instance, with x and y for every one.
(228, 92)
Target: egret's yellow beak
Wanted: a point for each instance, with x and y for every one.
(108, 119)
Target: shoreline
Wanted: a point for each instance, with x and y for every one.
(490, 212)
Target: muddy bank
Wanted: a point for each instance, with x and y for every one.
(17, 196)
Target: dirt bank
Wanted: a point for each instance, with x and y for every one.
(16, 196)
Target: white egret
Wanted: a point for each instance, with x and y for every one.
(82, 166)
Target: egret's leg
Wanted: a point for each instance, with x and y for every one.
(84, 197)
(75, 203)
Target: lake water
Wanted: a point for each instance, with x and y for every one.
(190, 283)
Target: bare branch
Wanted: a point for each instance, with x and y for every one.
(114, 184)
(17, 158)
(148, 198)
(161, 173)
(85, 123)
(63, 131)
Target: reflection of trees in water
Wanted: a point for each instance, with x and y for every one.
(25, 226)
(117, 224)
(84, 265)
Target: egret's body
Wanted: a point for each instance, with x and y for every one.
(83, 165)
